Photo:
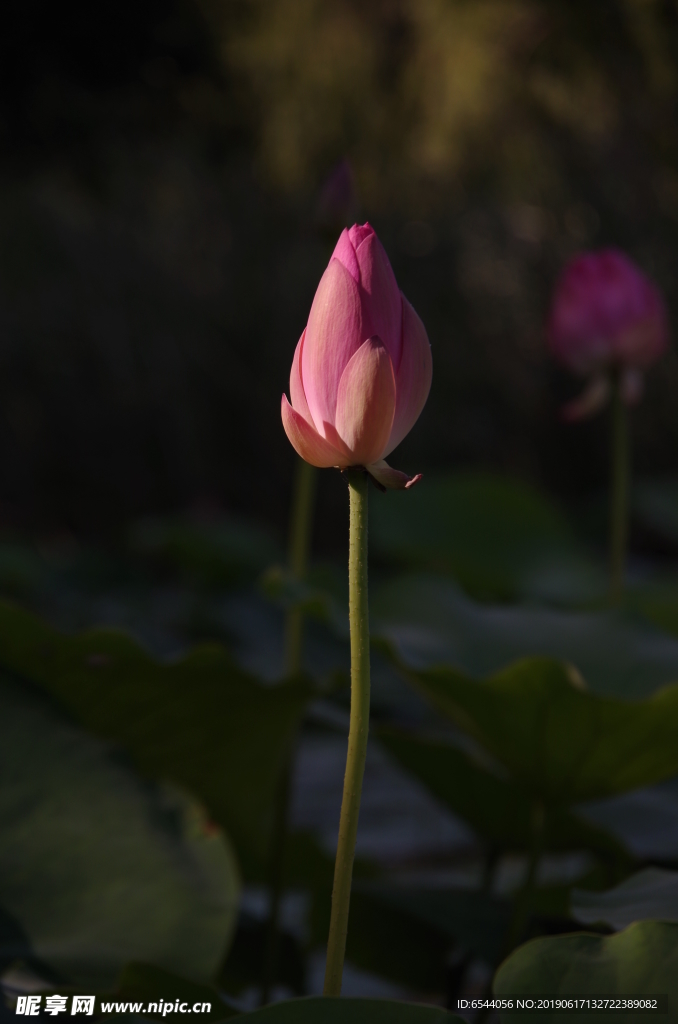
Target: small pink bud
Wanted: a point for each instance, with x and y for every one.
(362, 368)
(337, 202)
(606, 315)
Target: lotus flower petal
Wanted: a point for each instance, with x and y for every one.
(333, 334)
(413, 379)
(366, 402)
(362, 369)
(359, 232)
(297, 393)
(306, 440)
(640, 344)
(391, 479)
(606, 313)
(381, 302)
(344, 251)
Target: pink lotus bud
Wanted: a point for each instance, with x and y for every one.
(362, 368)
(606, 316)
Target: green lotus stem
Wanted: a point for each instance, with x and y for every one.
(619, 493)
(358, 729)
(299, 547)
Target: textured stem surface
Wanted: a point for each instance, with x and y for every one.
(619, 492)
(357, 735)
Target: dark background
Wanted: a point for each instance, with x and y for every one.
(160, 168)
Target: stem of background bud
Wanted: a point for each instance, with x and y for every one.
(358, 729)
(301, 526)
(299, 547)
(276, 878)
(523, 903)
(619, 493)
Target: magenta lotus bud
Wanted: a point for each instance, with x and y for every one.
(606, 316)
(362, 368)
(337, 202)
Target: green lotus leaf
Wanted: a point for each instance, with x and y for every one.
(97, 866)
(557, 741)
(651, 893)
(496, 808)
(200, 721)
(318, 1010)
(641, 960)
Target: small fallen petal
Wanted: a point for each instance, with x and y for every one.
(591, 401)
(391, 479)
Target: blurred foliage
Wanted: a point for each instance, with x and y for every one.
(651, 893)
(205, 723)
(98, 866)
(139, 983)
(431, 622)
(655, 503)
(214, 552)
(351, 1011)
(159, 172)
(544, 745)
(499, 538)
(394, 943)
(143, 982)
(641, 960)
(475, 920)
(447, 84)
(242, 969)
(559, 743)
(201, 722)
(496, 808)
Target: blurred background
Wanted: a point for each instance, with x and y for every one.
(162, 234)
(161, 166)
